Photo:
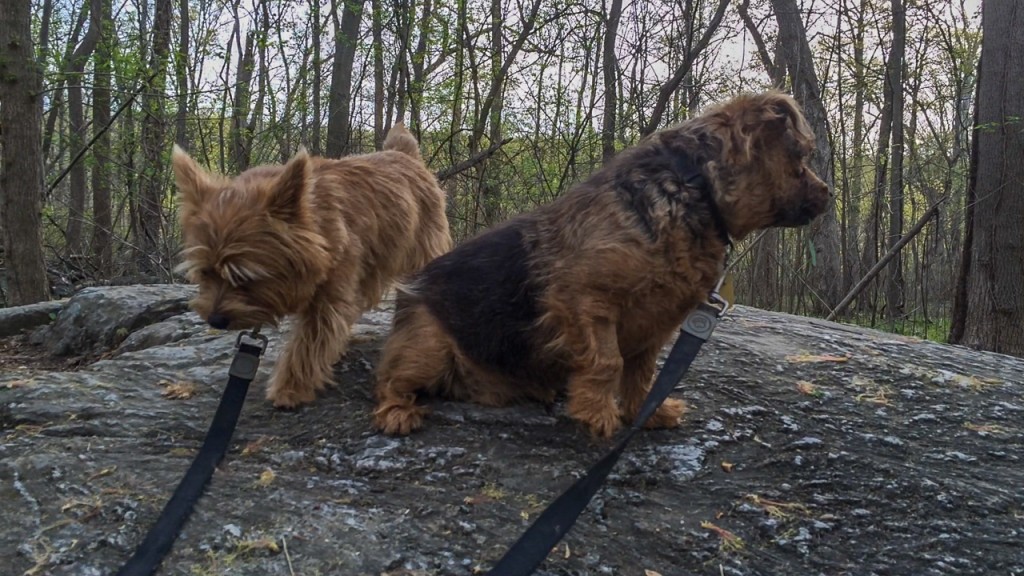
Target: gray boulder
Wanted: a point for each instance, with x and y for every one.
(97, 319)
(810, 448)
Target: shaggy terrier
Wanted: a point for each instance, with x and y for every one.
(584, 292)
(317, 238)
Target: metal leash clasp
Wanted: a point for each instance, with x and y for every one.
(716, 300)
(701, 322)
(246, 362)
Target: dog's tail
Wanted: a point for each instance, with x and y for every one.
(401, 140)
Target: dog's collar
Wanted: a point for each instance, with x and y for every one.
(693, 177)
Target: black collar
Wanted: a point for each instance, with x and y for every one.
(692, 176)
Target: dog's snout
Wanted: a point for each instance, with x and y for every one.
(218, 321)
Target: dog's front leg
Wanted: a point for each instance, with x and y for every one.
(636, 383)
(594, 381)
(318, 340)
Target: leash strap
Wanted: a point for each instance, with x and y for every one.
(548, 529)
(162, 534)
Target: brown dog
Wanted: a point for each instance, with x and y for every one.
(587, 290)
(317, 238)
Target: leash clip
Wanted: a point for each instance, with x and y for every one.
(715, 298)
(259, 340)
(246, 362)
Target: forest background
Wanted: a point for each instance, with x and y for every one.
(513, 102)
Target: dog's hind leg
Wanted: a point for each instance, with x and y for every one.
(636, 383)
(417, 357)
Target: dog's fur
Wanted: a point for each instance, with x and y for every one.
(587, 290)
(318, 239)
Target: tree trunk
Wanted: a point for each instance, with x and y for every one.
(149, 255)
(240, 152)
(76, 127)
(315, 144)
(611, 67)
(669, 88)
(894, 286)
(102, 221)
(795, 51)
(21, 170)
(181, 60)
(377, 30)
(346, 38)
(994, 317)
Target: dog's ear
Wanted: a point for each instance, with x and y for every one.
(189, 177)
(781, 112)
(289, 194)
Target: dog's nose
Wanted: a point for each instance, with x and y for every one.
(218, 321)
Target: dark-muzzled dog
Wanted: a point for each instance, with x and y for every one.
(584, 292)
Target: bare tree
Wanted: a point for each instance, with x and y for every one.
(795, 51)
(346, 39)
(21, 177)
(102, 219)
(76, 125)
(611, 31)
(669, 88)
(894, 286)
(993, 309)
(149, 214)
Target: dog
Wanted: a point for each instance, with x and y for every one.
(584, 292)
(316, 239)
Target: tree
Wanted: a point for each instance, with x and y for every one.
(894, 287)
(992, 307)
(346, 39)
(795, 52)
(610, 80)
(21, 176)
(102, 219)
(76, 121)
(149, 213)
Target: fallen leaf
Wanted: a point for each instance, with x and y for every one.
(730, 541)
(257, 445)
(776, 508)
(266, 478)
(178, 390)
(727, 466)
(104, 472)
(807, 388)
(985, 428)
(797, 358)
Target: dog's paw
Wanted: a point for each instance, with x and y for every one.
(668, 414)
(604, 425)
(398, 420)
(290, 398)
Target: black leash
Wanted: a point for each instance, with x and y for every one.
(162, 534)
(536, 543)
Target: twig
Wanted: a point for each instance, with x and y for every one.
(67, 169)
(287, 556)
(447, 173)
(856, 290)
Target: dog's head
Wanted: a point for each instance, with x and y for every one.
(761, 173)
(250, 242)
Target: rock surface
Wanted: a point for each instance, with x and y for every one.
(811, 448)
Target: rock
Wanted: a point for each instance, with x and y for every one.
(97, 319)
(18, 319)
(929, 485)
